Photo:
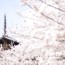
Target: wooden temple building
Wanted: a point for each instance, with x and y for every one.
(5, 40)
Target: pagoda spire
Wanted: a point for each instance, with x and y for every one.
(4, 24)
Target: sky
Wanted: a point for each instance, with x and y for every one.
(10, 8)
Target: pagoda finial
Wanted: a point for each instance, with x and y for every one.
(4, 24)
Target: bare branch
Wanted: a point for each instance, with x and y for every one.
(52, 6)
(35, 8)
(46, 16)
(51, 19)
(29, 5)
